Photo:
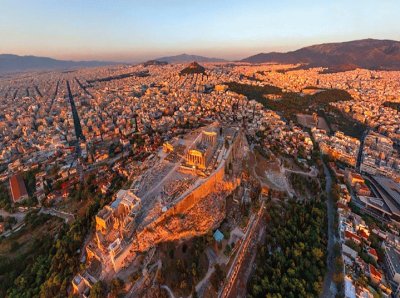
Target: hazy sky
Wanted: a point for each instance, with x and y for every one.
(135, 30)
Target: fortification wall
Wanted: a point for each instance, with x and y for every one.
(215, 182)
(198, 193)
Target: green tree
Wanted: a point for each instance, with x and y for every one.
(98, 290)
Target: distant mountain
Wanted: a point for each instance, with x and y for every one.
(192, 68)
(15, 63)
(154, 62)
(185, 58)
(366, 53)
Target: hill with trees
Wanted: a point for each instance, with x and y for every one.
(193, 68)
(292, 261)
(185, 58)
(154, 62)
(290, 103)
(393, 105)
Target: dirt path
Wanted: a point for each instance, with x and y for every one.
(171, 294)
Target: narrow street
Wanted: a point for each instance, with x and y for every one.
(329, 288)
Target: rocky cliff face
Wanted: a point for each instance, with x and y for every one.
(205, 215)
(201, 218)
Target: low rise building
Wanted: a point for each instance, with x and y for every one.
(18, 189)
(392, 260)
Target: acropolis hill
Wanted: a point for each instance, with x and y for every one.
(208, 165)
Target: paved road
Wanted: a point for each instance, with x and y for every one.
(329, 289)
(359, 157)
(83, 88)
(75, 116)
(248, 242)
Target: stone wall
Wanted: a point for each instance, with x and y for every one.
(198, 193)
(217, 182)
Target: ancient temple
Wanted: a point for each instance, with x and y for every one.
(200, 154)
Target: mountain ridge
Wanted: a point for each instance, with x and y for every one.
(185, 58)
(336, 56)
(365, 53)
(10, 63)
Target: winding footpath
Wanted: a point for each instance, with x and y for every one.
(171, 294)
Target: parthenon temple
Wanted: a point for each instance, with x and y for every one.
(199, 155)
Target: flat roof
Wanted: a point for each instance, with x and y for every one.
(350, 290)
(392, 188)
(115, 203)
(218, 236)
(394, 258)
(376, 203)
(77, 279)
(389, 200)
(104, 213)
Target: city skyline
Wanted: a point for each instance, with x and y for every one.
(263, 163)
(135, 31)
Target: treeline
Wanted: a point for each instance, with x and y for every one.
(291, 103)
(338, 273)
(29, 268)
(344, 123)
(305, 186)
(50, 273)
(65, 255)
(5, 200)
(292, 261)
(393, 105)
(30, 181)
(253, 91)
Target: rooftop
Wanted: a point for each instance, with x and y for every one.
(394, 257)
(218, 236)
(390, 187)
(18, 189)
